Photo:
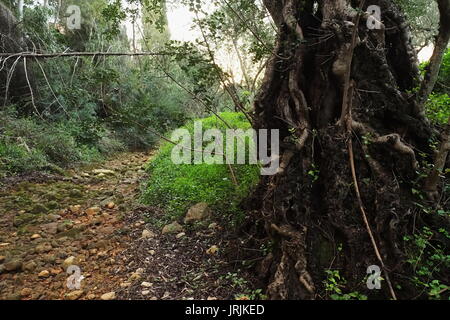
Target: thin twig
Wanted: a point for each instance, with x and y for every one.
(31, 88)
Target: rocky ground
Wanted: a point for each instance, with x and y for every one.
(92, 219)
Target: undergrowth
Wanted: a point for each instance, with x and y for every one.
(178, 187)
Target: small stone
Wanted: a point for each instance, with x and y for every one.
(213, 250)
(55, 272)
(49, 258)
(13, 265)
(51, 228)
(212, 226)
(125, 284)
(70, 261)
(75, 209)
(102, 171)
(174, 227)
(30, 266)
(108, 296)
(134, 277)
(43, 247)
(147, 234)
(111, 205)
(91, 296)
(180, 235)
(54, 217)
(4, 244)
(44, 274)
(152, 252)
(25, 292)
(35, 236)
(145, 292)
(198, 212)
(74, 295)
(147, 284)
(140, 270)
(2, 258)
(92, 211)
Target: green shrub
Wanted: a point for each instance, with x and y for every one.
(15, 158)
(438, 108)
(177, 187)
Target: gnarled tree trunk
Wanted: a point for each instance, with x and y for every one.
(338, 125)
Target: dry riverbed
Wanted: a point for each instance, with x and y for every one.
(92, 219)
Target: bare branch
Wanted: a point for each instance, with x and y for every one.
(80, 54)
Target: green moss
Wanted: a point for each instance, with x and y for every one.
(23, 219)
(53, 205)
(75, 193)
(38, 208)
(177, 187)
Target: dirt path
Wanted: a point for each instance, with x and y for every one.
(93, 220)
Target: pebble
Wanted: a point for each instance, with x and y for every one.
(13, 265)
(44, 274)
(35, 236)
(145, 292)
(30, 266)
(134, 276)
(69, 262)
(2, 258)
(213, 250)
(25, 292)
(147, 284)
(74, 295)
(212, 226)
(180, 235)
(75, 209)
(108, 296)
(92, 211)
(44, 247)
(125, 284)
(146, 234)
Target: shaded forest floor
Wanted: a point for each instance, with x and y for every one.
(92, 218)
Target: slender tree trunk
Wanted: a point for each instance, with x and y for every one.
(323, 210)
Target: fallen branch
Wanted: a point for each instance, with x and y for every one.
(80, 54)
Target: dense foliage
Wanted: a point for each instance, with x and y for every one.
(177, 187)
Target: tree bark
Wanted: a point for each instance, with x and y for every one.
(310, 208)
